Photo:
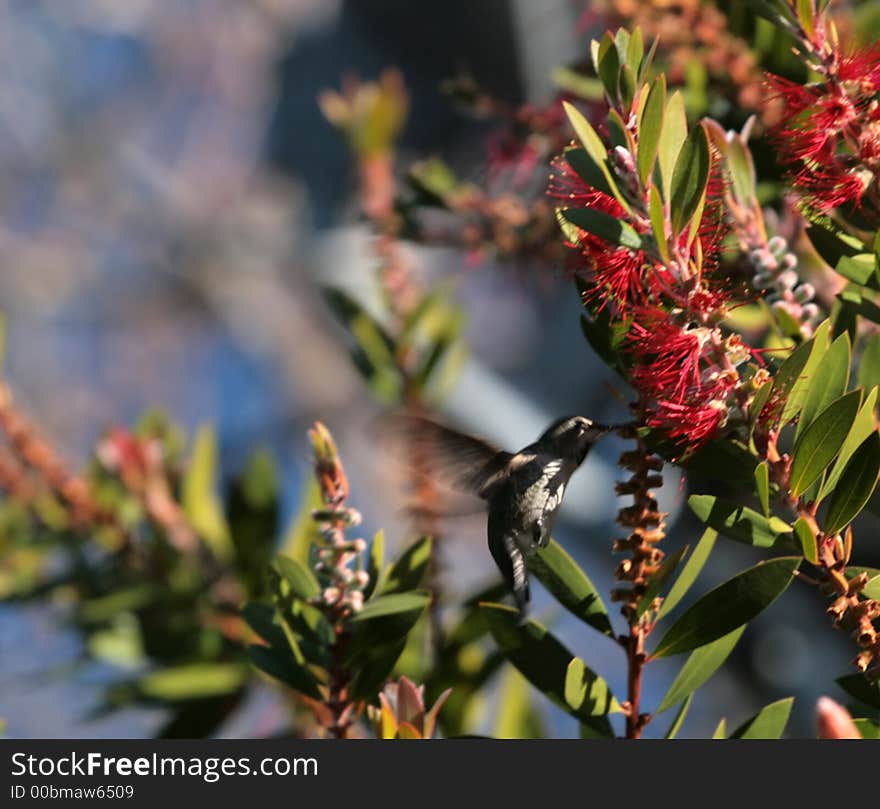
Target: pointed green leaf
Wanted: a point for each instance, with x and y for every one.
(679, 718)
(829, 381)
(762, 486)
(570, 585)
(201, 503)
(689, 178)
(857, 483)
(375, 563)
(768, 723)
(595, 149)
(699, 667)
(658, 222)
(393, 604)
(656, 582)
(869, 363)
(862, 427)
(807, 540)
(650, 127)
(720, 730)
(409, 570)
(689, 572)
(544, 662)
(818, 445)
(738, 522)
(300, 579)
(671, 139)
(609, 71)
(859, 269)
(609, 228)
(730, 605)
(795, 376)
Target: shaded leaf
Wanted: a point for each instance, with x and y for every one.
(857, 483)
(859, 688)
(408, 571)
(730, 605)
(544, 661)
(570, 585)
(689, 178)
(300, 579)
(738, 522)
(605, 226)
(818, 445)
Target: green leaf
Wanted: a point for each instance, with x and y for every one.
(762, 486)
(591, 172)
(408, 571)
(609, 71)
(658, 222)
(689, 178)
(868, 728)
(609, 228)
(394, 604)
(721, 730)
(284, 668)
(544, 662)
(768, 723)
(730, 605)
(679, 718)
(818, 445)
(200, 501)
(375, 563)
(699, 667)
(738, 522)
(193, 681)
(856, 485)
(833, 244)
(860, 269)
(656, 582)
(794, 377)
(807, 540)
(828, 382)
(570, 585)
(862, 427)
(650, 127)
(384, 623)
(689, 572)
(671, 139)
(595, 148)
(869, 363)
(859, 688)
(742, 170)
(300, 579)
(585, 692)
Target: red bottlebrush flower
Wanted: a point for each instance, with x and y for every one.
(667, 356)
(828, 136)
(694, 424)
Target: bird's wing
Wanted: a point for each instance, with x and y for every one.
(462, 462)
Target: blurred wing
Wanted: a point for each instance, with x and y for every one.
(459, 461)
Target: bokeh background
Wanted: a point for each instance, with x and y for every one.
(172, 199)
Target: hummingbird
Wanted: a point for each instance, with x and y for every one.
(523, 490)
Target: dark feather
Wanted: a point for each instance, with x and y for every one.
(460, 461)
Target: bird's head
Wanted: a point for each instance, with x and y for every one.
(572, 437)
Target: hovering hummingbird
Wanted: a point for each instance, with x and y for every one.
(523, 490)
